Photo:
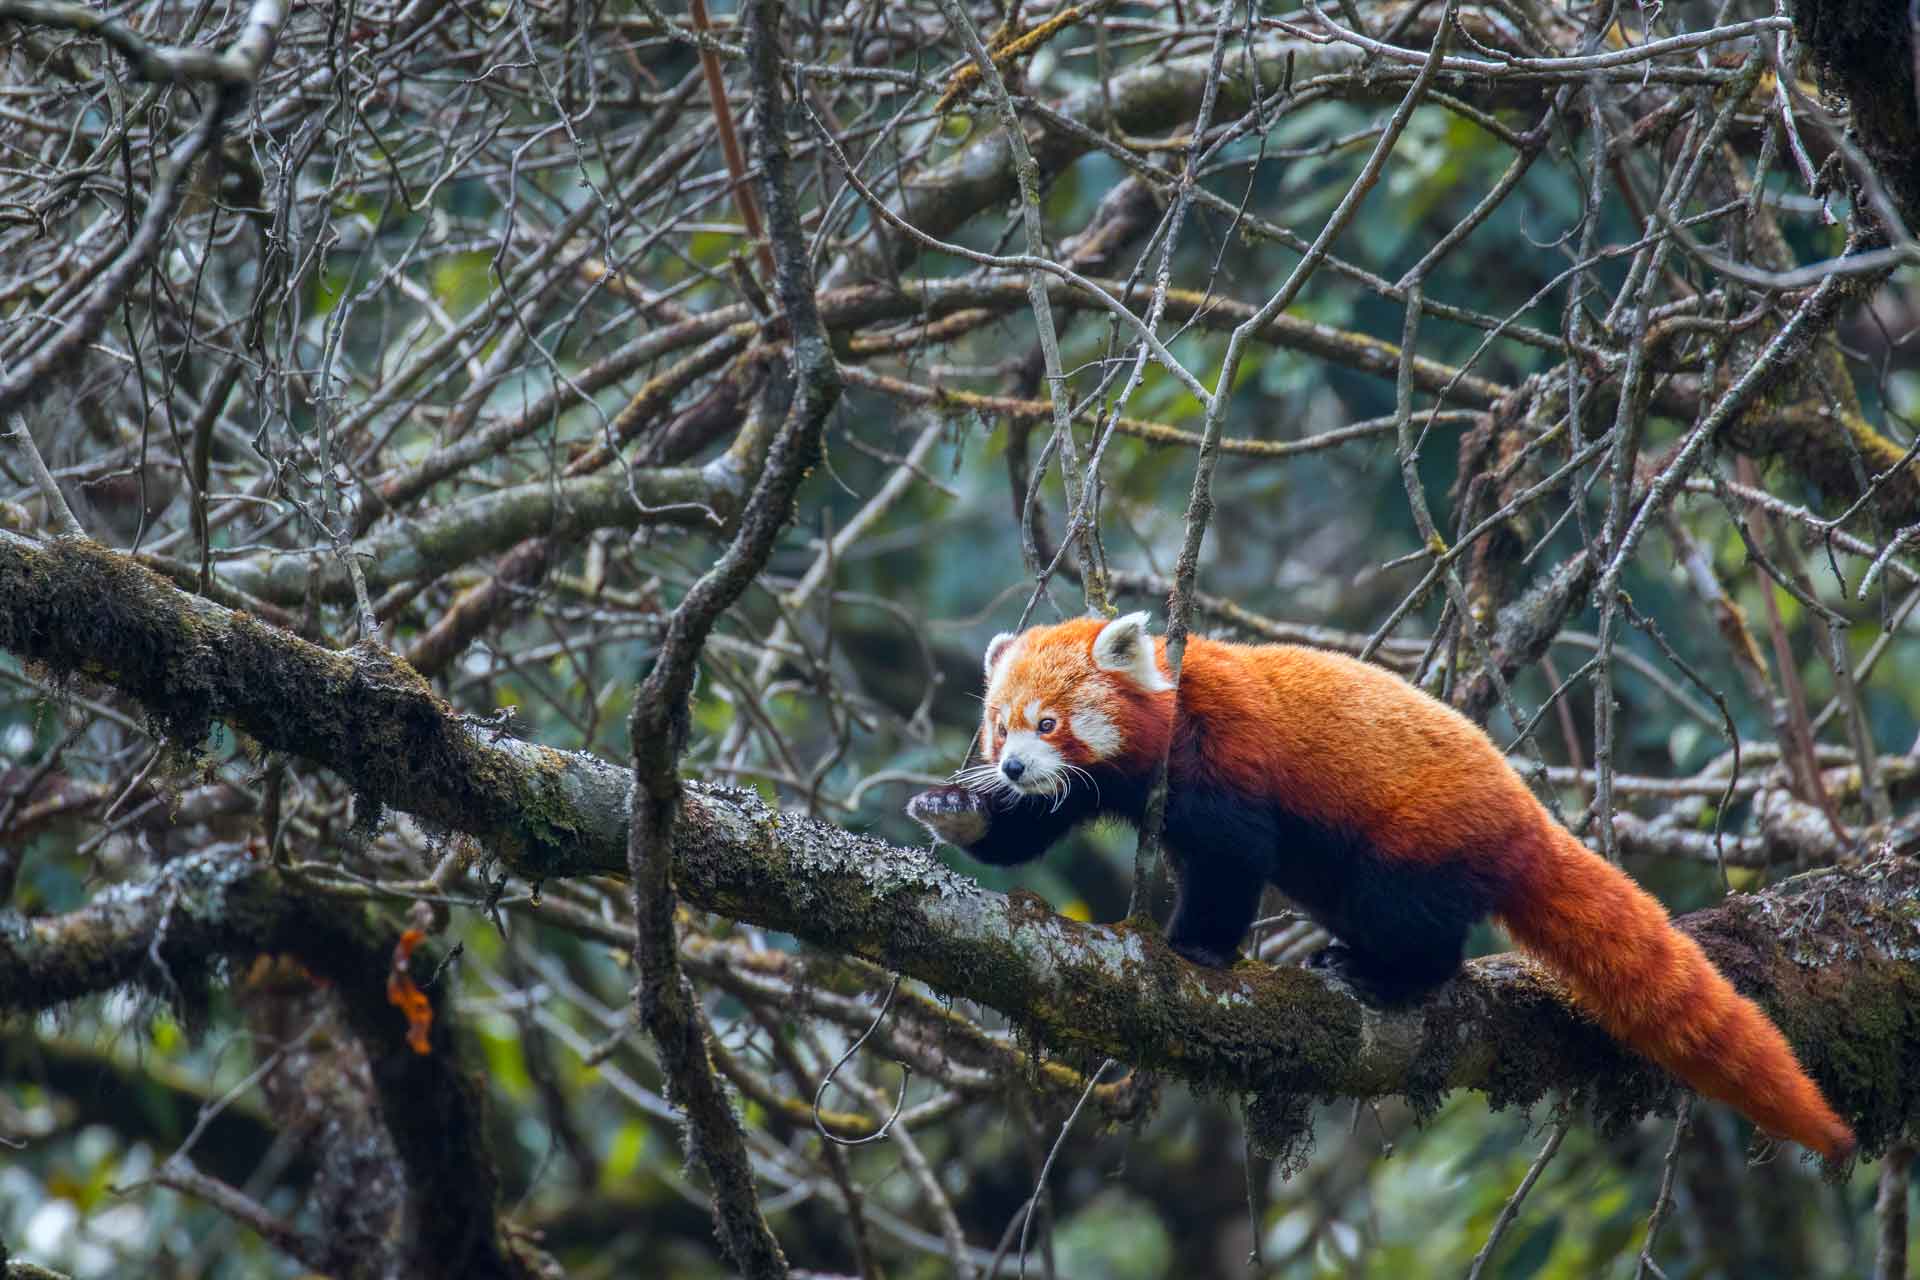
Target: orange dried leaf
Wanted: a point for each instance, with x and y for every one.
(405, 994)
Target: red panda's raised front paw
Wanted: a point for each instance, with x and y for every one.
(951, 813)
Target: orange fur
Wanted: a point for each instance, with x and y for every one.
(1651, 986)
(1357, 749)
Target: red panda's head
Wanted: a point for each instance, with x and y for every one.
(1064, 699)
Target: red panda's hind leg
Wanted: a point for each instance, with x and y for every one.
(1389, 983)
(1400, 931)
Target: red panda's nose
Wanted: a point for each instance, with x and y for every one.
(1013, 768)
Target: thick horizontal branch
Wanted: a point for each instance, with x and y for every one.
(1829, 954)
(83, 611)
(410, 550)
(1152, 97)
(1007, 293)
(459, 532)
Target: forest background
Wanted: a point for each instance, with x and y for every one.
(502, 502)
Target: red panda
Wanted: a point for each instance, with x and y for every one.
(1386, 815)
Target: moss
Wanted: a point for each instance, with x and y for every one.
(1026, 907)
(83, 606)
(1280, 1128)
(1857, 1043)
(1446, 1033)
(544, 811)
(1284, 1028)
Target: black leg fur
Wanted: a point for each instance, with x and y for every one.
(1402, 928)
(1218, 897)
(1390, 981)
(1223, 848)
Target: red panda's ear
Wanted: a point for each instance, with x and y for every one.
(1124, 646)
(997, 648)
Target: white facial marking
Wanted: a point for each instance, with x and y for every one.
(999, 662)
(1124, 646)
(1097, 732)
(1044, 771)
(998, 647)
(1033, 712)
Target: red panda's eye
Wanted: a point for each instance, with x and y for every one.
(1046, 725)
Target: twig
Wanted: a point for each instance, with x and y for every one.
(178, 1174)
(1663, 1202)
(1081, 518)
(64, 523)
(730, 137)
(659, 725)
(1046, 1167)
(239, 66)
(881, 1133)
(241, 63)
(1512, 1207)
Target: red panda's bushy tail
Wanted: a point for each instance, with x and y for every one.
(1651, 986)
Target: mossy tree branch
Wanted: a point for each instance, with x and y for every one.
(1829, 954)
